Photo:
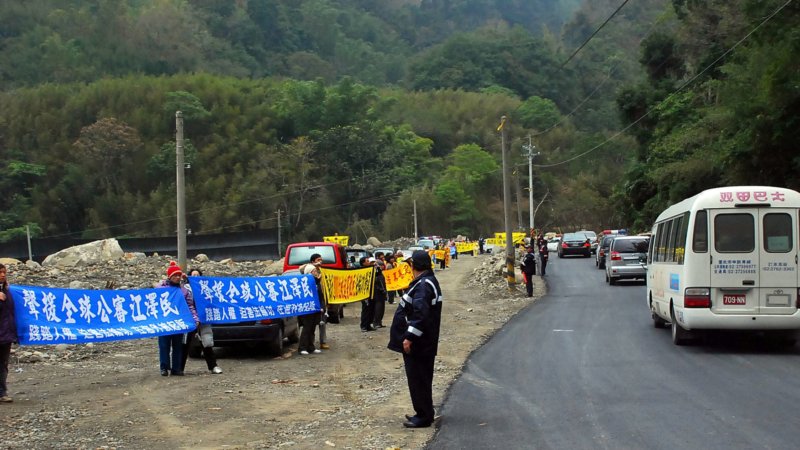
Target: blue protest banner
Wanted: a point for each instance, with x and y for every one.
(230, 300)
(75, 316)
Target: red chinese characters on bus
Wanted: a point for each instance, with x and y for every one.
(758, 196)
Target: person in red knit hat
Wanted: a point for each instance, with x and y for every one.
(173, 343)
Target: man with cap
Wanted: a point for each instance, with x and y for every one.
(415, 334)
(174, 342)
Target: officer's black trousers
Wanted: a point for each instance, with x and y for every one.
(419, 372)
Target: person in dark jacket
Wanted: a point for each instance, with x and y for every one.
(368, 305)
(8, 333)
(379, 295)
(415, 334)
(528, 267)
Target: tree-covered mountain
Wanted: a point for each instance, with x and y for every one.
(342, 112)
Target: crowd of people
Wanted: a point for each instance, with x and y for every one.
(414, 329)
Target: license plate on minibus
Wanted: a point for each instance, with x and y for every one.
(734, 299)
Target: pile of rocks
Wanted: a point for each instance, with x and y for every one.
(132, 271)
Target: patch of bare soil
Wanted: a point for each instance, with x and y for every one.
(352, 396)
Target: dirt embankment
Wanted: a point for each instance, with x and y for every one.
(351, 396)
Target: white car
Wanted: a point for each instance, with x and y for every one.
(552, 244)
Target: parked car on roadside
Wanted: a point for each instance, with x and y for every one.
(575, 244)
(354, 255)
(384, 250)
(593, 241)
(627, 258)
(553, 244)
(602, 251)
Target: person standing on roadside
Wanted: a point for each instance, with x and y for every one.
(310, 321)
(368, 305)
(415, 334)
(528, 267)
(206, 336)
(8, 333)
(379, 292)
(544, 255)
(170, 347)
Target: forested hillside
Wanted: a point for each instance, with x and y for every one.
(342, 112)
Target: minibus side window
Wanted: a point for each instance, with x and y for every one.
(734, 233)
(663, 245)
(679, 230)
(778, 233)
(700, 234)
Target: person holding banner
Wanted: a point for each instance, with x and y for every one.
(379, 292)
(8, 332)
(367, 305)
(310, 321)
(204, 333)
(173, 343)
(415, 334)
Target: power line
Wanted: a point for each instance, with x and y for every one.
(676, 91)
(593, 34)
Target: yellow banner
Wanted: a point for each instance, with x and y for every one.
(441, 254)
(399, 277)
(347, 286)
(490, 241)
(342, 240)
(500, 238)
(466, 247)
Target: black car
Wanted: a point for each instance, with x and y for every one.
(575, 244)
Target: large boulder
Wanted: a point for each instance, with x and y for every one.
(9, 261)
(81, 255)
(274, 267)
(373, 241)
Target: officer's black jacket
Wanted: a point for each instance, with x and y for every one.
(418, 317)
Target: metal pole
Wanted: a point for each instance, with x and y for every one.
(30, 251)
(180, 189)
(510, 277)
(530, 182)
(415, 222)
(279, 234)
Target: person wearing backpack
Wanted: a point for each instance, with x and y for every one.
(528, 267)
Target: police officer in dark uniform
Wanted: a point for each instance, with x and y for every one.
(415, 333)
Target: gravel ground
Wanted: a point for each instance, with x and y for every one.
(110, 395)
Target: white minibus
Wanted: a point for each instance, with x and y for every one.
(726, 259)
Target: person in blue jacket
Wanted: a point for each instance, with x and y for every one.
(415, 334)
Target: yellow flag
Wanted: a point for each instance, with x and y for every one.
(500, 127)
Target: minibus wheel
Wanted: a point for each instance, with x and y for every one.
(680, 336)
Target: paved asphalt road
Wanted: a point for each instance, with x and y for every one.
(584, 368)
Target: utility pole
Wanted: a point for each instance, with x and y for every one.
(530, 154)
(510, 277)
(279, 234)
(30, 250)
(416, 237)
(180, 189)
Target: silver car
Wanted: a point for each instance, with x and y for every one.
(627, 258)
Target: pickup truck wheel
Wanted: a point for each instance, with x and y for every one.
(275, 347)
